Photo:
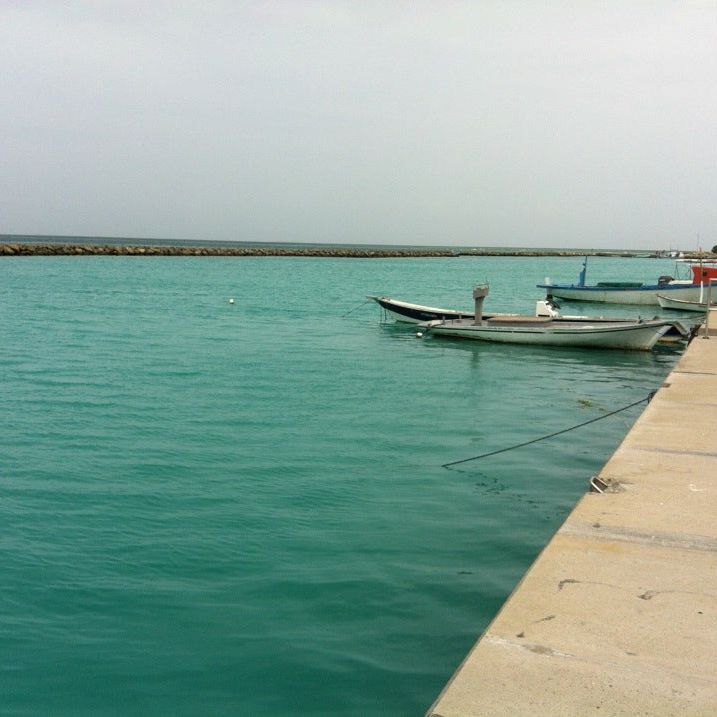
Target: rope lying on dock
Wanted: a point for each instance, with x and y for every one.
(647, 399)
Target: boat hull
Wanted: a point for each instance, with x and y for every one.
(408, 313)
(643, 295)
(637, 337)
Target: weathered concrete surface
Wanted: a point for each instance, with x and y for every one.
(618, 615)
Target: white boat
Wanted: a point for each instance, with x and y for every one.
(628, 292)
(546, 331)
(667, 302)
(410, 313)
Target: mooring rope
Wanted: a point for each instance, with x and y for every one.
(363, 303)
(648, 398)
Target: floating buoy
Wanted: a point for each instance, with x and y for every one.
(231, 301)
(419, 335)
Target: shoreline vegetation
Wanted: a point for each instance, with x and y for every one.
(74, 249)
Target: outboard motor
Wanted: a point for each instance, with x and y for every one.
(480, 291)
(546, 307)
(665, 280)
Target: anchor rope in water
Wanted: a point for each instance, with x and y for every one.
(648, 398)
(350, 311)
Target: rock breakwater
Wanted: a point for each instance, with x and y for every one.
(74, 249)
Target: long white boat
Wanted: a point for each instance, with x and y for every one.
(545, 331)
(408, 313)
(629, 292)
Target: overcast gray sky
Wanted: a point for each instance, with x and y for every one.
(497, 123)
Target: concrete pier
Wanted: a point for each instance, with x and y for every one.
(618, 615)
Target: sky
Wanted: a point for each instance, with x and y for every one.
(539, 123)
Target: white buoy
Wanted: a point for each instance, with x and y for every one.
(419, 334)
(231, 301)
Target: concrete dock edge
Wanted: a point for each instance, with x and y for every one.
(618, 614)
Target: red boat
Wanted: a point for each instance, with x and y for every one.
(701, 273)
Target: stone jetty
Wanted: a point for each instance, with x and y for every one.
(75, 249)
(59, 248)
(33, 249)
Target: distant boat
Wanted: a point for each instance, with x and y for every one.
(702, 270)
(632, 292)
(667, 302)
(409, 313)
(546, 331)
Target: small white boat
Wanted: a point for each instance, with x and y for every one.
(545, 331)
(667, 302)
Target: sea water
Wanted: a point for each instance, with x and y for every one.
(217, 508)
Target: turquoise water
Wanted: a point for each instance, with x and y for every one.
(219, 509)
